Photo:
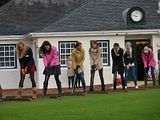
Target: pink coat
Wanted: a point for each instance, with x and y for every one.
(149, 60)
(51, 59)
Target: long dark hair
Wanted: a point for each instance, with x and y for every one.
(42, 48)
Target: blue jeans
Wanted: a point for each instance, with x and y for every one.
(130, 71)
(81, 77)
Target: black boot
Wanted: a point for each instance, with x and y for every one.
(45, 86)
(59, 92)
(103, 88)
(145, 82)
(0, 94)
(154, 83)
(159, 79)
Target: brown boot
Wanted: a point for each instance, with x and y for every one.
(34, 94)
(19, 94)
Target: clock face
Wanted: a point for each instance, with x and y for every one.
(136, 15)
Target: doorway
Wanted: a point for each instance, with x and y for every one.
(138, 46)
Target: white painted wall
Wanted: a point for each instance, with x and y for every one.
(86, 44)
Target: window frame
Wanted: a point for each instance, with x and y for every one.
(15, 61)
(108, 41)
(59, 48)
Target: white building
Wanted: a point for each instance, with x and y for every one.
(65, 23)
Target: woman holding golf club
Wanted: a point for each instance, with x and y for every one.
(96, 64)
(78, 57)
(27, 66)
(52, 66)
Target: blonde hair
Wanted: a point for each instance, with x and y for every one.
(21, 53)
(129, 50)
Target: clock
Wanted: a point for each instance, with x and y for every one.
(136, 15)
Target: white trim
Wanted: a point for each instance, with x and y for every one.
(96, 33)
(12, 37)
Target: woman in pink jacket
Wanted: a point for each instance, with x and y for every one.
(52, 66)
(149, 63)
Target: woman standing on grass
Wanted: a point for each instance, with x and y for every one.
(25, 56)
(52, 66)
(96, 64)
(129, 64)
(118, 66)
(149, 63)
(78, 56)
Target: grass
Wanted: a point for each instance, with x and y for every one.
(136, 105)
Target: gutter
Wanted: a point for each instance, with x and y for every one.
(82, 34)
(96, 33)
(12, 37)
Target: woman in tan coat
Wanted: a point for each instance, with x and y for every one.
(96, 64)
(78, 57)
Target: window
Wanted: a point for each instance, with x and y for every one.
(104, 45)
(65, 50)
(7, 57)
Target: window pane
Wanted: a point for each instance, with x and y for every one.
(1, 59)
(7, 59)
(12, 63)
(11, 53)
(62, 45)
(68, 51)
(7, 56)
(1, 49)
(11, 58)
(6, 53)
(104, 45)
(11, 48)
(1, 53)
(7, 64)
(65, 51)
(105, 61)
(68, 46)
(7, 48)
(104, 49)
(2, 64)
(72, 46)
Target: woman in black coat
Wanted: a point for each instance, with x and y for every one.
(118, 66)
(27, 66)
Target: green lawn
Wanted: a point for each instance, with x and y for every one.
(137, 105)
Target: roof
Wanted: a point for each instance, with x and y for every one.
(19, 17)
(104, 15)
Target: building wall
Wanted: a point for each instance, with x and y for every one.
(86, 44)
(9, 78)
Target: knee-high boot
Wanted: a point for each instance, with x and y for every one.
(34, 96)
(19, 94)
